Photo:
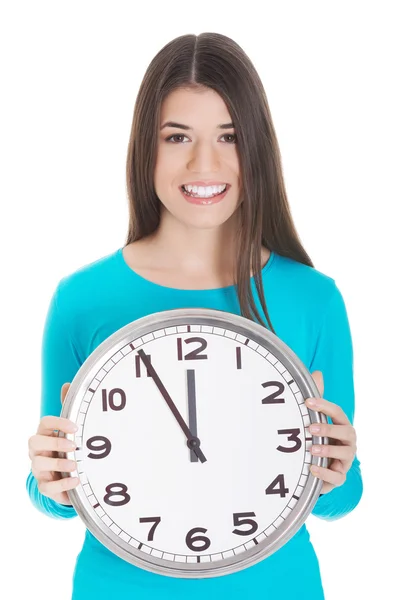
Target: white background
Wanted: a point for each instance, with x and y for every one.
(70, 73)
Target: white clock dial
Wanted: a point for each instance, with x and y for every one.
(200, 460)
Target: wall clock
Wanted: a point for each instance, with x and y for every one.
(193, 448)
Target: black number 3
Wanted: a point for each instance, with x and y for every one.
(293, 437)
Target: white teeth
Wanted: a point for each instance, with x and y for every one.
(204, 191)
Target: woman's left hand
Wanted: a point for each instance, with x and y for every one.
(343, 437)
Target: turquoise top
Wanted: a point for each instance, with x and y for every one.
(308, 313)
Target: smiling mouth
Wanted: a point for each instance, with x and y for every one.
(206, 200)
(191, 195)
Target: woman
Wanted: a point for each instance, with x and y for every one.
(209, 226)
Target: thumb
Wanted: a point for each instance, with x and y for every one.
(319, 380)
(64, 391)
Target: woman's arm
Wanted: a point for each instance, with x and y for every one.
(334, 357)
(60, 363)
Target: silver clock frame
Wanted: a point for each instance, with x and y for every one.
(213, 318)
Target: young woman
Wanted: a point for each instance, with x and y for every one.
(210, 226)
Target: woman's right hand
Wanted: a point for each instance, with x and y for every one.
(43, 448)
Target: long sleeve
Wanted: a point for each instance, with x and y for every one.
(334, 357)
(60, 363)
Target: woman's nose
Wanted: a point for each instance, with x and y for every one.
(204, 158)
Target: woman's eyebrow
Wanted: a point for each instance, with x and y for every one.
(187, 128)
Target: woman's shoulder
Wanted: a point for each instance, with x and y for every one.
(88, 279)
(308, 285)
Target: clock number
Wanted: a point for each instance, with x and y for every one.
(106, 446)
(272, 398)
(190, 540)
(194, 354)
(122, 492)
(293, 437)
(110, 400)
(281, 489)
(238, 519)
(156, 520)
(138, 362)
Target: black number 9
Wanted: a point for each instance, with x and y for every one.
(105, 445)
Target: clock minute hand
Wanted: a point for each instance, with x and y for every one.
(193, 442)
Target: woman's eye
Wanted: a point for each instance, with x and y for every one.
(174, 136)
(232, 135)
(180, 135)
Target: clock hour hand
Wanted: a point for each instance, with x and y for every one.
(193, 442)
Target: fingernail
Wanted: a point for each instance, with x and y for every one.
(74, 427)
(311, 402)
(314, 428)
(314, 469)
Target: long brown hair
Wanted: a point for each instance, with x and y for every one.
(215, 61)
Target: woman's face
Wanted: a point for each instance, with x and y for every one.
(204, 152)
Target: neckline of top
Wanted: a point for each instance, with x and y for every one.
(120, 256)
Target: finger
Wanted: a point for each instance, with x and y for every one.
(344, 433)
(41, 464)
(50, 423)
(44, 443)
(336, 478)
(331, 409)
(344, 453)
(52, 488)
(44, 475)
(64, 391)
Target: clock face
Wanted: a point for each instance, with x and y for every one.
(192, 448)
